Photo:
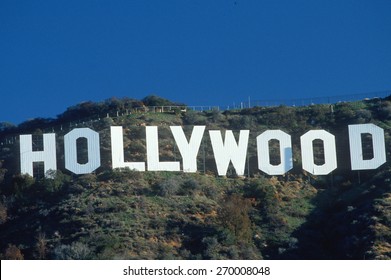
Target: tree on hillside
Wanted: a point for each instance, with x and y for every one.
(4, 126)
(153, 100)
(234, 215)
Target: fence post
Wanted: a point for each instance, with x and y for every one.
(203, 153)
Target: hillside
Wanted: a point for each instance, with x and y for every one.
(126, 214)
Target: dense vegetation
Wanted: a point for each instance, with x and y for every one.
(124, 214)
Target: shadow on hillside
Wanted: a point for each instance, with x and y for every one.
(340, 225)
(193, 233)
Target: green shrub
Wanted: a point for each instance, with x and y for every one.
(54, 180)
(74, 251)
(169, 187)
(22, 183)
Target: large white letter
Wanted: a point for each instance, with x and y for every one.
(229, 150)
(264, 153)
(378, 145)
(117, 151)
(71, 150)
(307, 152)
(189, 150)
(47, 156)
(153, 153)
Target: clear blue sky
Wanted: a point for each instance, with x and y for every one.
(55, 54)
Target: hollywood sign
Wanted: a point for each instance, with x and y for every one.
(225, 151)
